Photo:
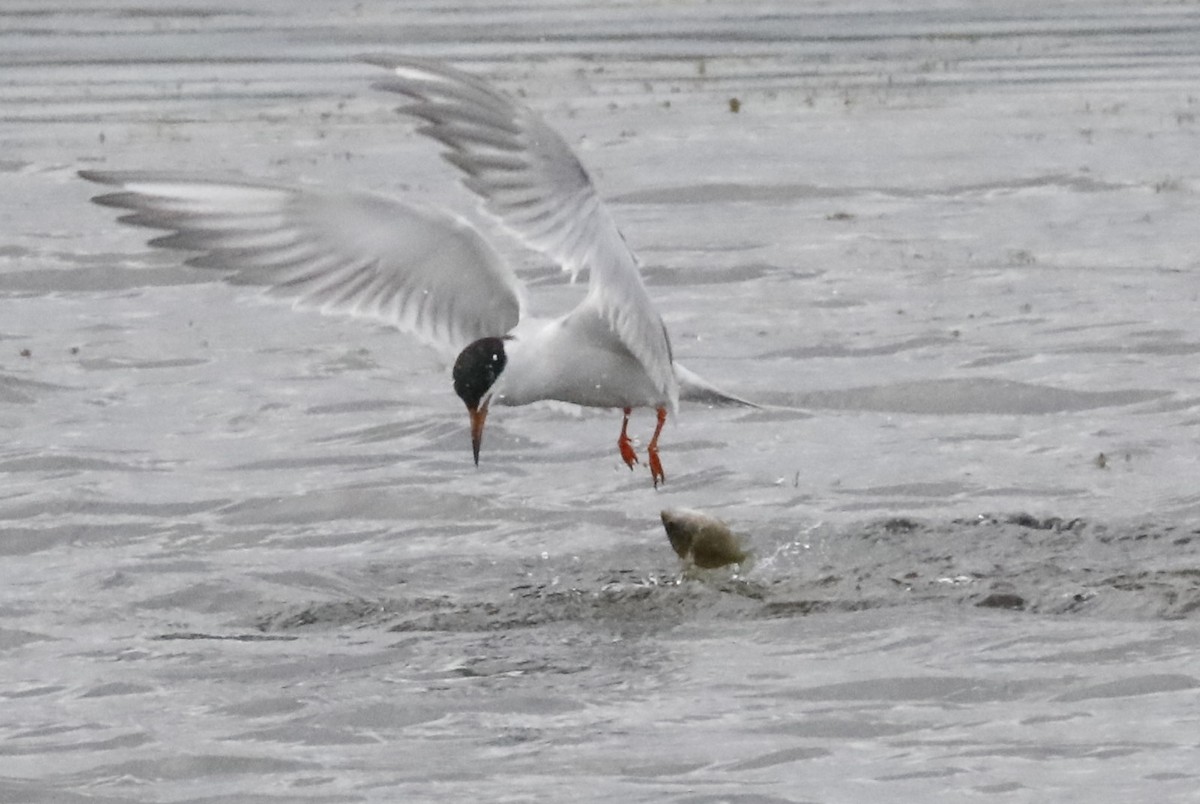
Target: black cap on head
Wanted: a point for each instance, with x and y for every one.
(475, 372)
(477, 368)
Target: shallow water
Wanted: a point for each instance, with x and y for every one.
(246, 556)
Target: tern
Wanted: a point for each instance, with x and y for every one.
(431, 273)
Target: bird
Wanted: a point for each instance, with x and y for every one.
(431, 272)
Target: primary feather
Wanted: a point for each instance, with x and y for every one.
(423, 271)
(532, 183)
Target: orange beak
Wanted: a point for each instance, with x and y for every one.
(478, 416)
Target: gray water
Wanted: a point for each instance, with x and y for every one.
(245, 555)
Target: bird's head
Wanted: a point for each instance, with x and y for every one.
(476, 370)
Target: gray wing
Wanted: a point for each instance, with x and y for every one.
(423, 271)
(532, 183)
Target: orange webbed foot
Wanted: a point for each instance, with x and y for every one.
(627, 453)
(625, 445)
(656, 470)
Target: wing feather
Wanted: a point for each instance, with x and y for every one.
(533, 184)
(424, 272)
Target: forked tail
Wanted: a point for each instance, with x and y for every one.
(694, 388)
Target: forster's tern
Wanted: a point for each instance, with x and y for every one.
(430, 273)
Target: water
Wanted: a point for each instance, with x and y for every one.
(246, 556)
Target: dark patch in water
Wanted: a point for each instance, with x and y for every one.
(1002, 600)
(1021, 563)
(192, 635)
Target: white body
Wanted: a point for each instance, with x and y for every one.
(573, 359)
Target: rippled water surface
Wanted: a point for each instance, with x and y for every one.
(244, 555)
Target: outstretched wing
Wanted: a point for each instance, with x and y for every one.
(530, 180)
(425, 272)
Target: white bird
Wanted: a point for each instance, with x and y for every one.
(431, 274)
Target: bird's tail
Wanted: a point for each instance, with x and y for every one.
(694, 388)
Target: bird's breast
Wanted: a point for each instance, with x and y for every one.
(578, 363)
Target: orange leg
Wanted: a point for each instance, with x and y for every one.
(624, 444)
(656, 470)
